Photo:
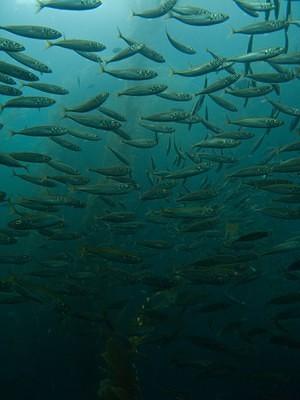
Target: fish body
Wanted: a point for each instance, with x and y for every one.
(131, 74)
(94, 121)
(258, 122)
(203, 69)
(220, 84)
(169, 116)
(180, 46)
(195, 20)
(33, 31)
(71, 5)
(125, 53)
(263, 27)
(143, 90)
(255, 91)
(43, 130)
(30, 62)
(161, 10)
(107, 189)
(175, 96)
(6, 90)
(90, 104)
(10, 45)
(28, 102)
(260, 55)
(78, 45)
(31, 157)
(17, 72)
(47, 88)
(217, 143)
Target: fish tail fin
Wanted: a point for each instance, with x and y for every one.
(231, 33)
(172, 71)
(49, 44)
(39, 6)
(119, 33)
(1, 108)
(102, 68)
(228, 119)
(64, 113)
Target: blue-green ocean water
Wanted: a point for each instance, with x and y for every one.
(47, 349)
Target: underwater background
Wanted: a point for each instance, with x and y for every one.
(117, 286)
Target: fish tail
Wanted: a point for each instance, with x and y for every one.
(102, 69)
(1, 108)
(228, 119)
(119, 33)
(172, 71)
(231, 33)
(49, 44)
(64, 113)
(39, 5)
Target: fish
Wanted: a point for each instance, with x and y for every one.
(195, 20)
(62, 167)
(131, 74)
(180, 46)
(9, 91)
(32, 31)
(28, 102)
(257, 122)
(157, 128)
(15, 259)
(73, 5)
(65, 143)
(255, 91)
(112, 114)
(217, 143)
(30, 62)
(113, 254)
(90, 104)
(94, 121)
(47, 88)
(260, 55)
(219, 84)
(10, 45)
(227, 105)
(175, 96)
(42, 131)
(287, 58)
(125, 53)
(141, 143)
(90, 56)
(7, 79)
(31, 157)
(145, 51)
(168, 116)
(112, 171)
(17, 72)
(107, 189)
(143, 90)
(78, 45)
(161, 10)
(263, 27)
(89, 136)
(9, 161)
(37, 180)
